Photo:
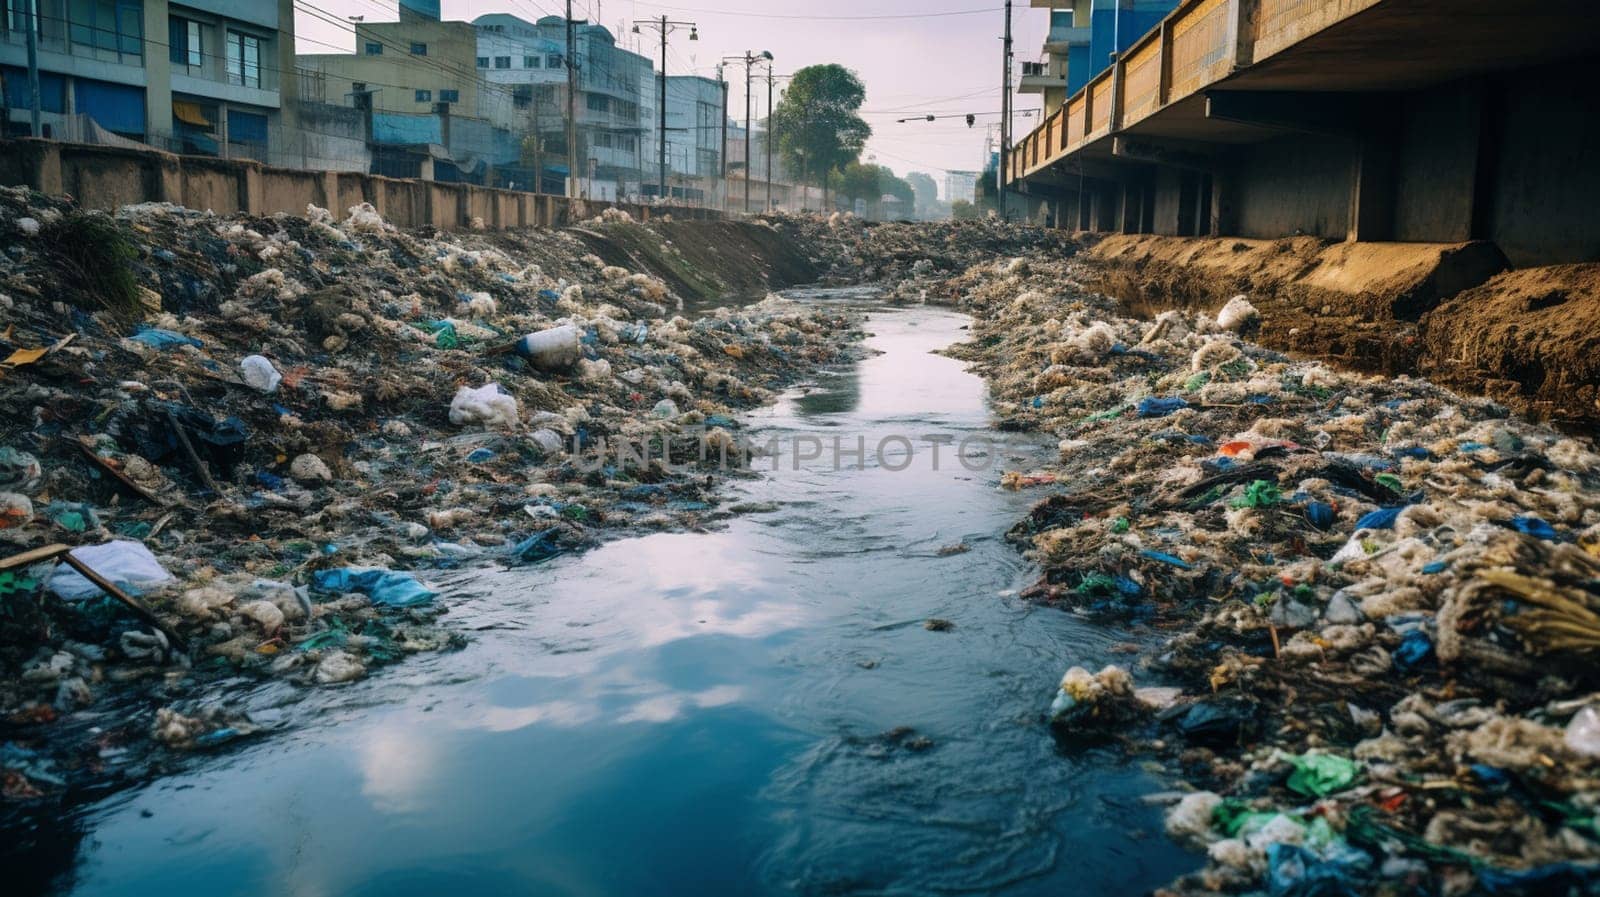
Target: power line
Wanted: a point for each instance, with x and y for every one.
(819, 18)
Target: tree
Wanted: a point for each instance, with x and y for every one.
(961, 210)
(987, 192)
(870, 183)
(817, 125)
(927, 191)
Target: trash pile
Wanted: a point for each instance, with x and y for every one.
(1386, 596)
(913, 262)
(235, 447)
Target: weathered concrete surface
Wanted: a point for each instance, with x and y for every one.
(107, 177)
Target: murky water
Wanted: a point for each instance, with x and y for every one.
(703, 713)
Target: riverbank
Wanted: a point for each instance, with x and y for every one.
(1363, 607)
(275, 432)
(1453, 312)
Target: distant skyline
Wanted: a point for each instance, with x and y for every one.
(922, 64)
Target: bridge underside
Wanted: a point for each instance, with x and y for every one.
(1404, 120)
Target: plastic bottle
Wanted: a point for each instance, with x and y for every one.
(553, 349)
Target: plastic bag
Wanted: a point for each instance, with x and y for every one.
(127, 565)
(485, 405)
(259, 374)
(389, 587)
(1318, 775)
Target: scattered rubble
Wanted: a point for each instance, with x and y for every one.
(1386, 595)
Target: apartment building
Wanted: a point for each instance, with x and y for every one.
(405, 67)
(1084, 37)
(203, 76)
(526, 62)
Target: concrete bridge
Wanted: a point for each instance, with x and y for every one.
(1437, 121)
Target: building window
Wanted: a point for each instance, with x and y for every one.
(183, 42)
(532, 62)
(424, 96)
(483, 62)
(419, 49)
(522, 96)
(449, 96)
(603, 139)
(502, 62)
(598, 102)
(374, 48)
(114, 26)
(244, 59)
(553, 61)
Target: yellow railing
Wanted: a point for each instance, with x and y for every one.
(1100, 100)
(1280, 23)
(1190, 50)
(1199, 45)
(1141, 80)
(1075, 108)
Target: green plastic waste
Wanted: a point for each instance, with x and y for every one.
(1318, 775)
(1259, 494)
(1120, 525)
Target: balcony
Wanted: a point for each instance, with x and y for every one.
(1061, 37)
(1036, 78)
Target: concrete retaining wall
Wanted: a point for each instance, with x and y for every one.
(104, 177)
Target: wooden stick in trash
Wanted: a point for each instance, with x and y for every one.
(200, 465)
(64, 552)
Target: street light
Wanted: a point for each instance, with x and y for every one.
(666, 27)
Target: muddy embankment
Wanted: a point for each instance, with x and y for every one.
(1528, 338)
(705, 259)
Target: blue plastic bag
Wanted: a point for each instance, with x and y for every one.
(157, 338)
(1165, 558)
(1534, 526)
(1383, 518)
(1153, 406)
(388, 587)
(1416, 648)
(1319, 514)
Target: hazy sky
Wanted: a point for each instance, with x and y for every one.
(923, 63)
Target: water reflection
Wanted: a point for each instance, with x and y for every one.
(755, 710)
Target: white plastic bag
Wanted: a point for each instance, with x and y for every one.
(485, 405)
(259, 374)
(127, 565)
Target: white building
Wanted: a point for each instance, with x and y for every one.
(693, 138)
(529, 57)
(960, 185)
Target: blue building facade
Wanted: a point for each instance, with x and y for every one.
(1115, 24)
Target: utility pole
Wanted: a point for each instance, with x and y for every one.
(572, 105)
(661, 123)
(665, 26)
(1005, 118)
(748, 61)
(769, 137)
(33, 66)
(722, 148)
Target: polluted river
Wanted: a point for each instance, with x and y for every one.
(417, 568)
(762, 708)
